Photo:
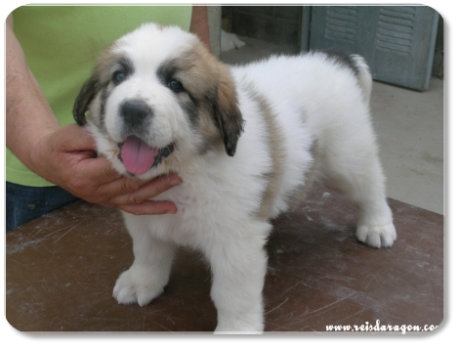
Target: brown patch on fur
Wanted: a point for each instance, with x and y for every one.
(100, 77)
(276, 148)
(104, 62)
(211, 86)
(211, 135)
(227, 112)
(84, 98)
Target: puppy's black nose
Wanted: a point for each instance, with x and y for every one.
(135, 111)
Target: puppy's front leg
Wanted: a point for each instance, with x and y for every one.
(149, 273)
(239, 267)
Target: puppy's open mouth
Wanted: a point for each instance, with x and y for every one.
(138, 157)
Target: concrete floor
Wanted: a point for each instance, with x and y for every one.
(410, 128)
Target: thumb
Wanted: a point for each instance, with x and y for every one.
(76, 138)
(98, 170)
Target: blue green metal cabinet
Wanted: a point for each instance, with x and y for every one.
(397, 41)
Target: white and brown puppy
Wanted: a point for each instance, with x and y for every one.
(245, 140)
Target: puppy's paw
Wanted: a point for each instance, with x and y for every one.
(137, 285)
(240, 328)
(377, 236)
(250, 321)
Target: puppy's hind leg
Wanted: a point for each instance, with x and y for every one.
(375, 223)
(354, 168)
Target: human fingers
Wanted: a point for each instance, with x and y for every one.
(75, 138)
(141, 193)
(94, 179)
(100, 171)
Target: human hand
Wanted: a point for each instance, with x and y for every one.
(67, 158)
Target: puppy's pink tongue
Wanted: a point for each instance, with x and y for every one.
(137, 156)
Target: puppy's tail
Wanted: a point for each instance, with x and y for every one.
(364, 76)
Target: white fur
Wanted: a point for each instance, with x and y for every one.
(314, 100)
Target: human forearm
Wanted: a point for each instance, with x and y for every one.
(29, 118)
(199, 24)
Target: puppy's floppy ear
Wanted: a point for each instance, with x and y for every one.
(226, 111)
(86, 95)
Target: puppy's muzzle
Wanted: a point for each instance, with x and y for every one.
(134, 112)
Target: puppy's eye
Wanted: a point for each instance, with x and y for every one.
(118, 77)
(175, 86)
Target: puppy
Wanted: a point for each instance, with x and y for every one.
(247, 141)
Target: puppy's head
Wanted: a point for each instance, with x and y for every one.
(156, 99)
